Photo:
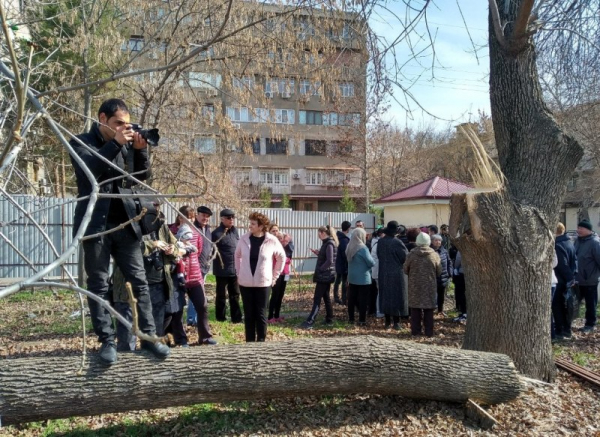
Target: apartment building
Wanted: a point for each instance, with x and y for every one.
(289, 113)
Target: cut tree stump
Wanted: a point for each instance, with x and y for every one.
(40, 388)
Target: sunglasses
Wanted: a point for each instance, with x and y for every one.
(230, 217)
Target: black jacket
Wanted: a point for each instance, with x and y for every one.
(226, 247)
(588, 260)
(114, 152)
(567, 259)
(325, 272)
(341, 262)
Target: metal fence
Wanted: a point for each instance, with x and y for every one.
(55, 217)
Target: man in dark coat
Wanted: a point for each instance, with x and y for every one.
(113, 139)
(587, 247)
(201, 223)
(341, 264)
(391, 253)
(226, 238)
(565, 271)
(446, 276)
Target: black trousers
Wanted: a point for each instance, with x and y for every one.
(125, 339)
(441, 294)
(321, 293)
(225, 285)
(590, 294)
(124, 247)
(358, 295)
(426, 316)
(460, 294)
(255, 312)
(174, 326)
(198, 297)
(341, 279)
(372, 302)
(277, 297)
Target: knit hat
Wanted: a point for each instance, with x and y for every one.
(585, 224)
(184, 233)
(423, 239)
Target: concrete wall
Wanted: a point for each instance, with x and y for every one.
(572, 218)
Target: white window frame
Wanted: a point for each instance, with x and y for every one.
(275, 177)
(346, 89)
(315, 177)
(135, 43)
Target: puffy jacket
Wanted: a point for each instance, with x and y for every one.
(567, 259)
(359, 267)
(325, 268)
(117, 154)
(227, 247)
(193, 272)
(446, 275)
(422, 266)
(588, 260)
(341, 262)
(271, 259)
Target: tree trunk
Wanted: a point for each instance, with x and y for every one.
(506, 236)
(49, 387)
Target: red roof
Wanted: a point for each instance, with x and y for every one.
(434, 188)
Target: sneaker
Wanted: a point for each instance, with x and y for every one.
(191, 324)
(108, 353)
(380, 315)
(362, 324)
(567, 335)
(159, 350)
(587, 329)
(306, 325)
(209, 342)
(339, 302)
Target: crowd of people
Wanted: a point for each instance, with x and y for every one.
(395, 273)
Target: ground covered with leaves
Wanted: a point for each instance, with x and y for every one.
(46, 323)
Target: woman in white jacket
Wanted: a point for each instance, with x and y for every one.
(259, 260)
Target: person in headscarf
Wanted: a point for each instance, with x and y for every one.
(391, 254)
(360, 263)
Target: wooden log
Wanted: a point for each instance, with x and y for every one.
(41, 388)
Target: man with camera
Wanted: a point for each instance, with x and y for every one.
(114, 139)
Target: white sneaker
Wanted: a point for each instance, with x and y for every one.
(380, 315)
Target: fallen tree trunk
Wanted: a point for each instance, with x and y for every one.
(49, 387)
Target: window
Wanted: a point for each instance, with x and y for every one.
(204, 80)
(248, 145)
(276, 147)
(243, 83)
(242, 114)
(340, 147)
(242, 177)
(330, 119)
(346, 89)
(205, 145)
(310, 117)
(285, 87)
(208, 112)
(350, 119)
(135, 44)
(315, 178)
(275, 177)
(315, 147)
(572, 184)
(284, 116)
(305, 87)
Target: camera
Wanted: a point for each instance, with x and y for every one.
(150, 135)
(155, 259)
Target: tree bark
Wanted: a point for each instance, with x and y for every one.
(506, 236)
(48, 387)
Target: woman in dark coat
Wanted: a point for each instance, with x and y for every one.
(391, 253)
(324, 275)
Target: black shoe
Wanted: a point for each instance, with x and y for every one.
(209, 342)
(362, 324)
(339, 302)
(108, 353)
(159, 350)
(388, 325)
(587, 329)
(306, 325)
(396, 326)
(328, 322)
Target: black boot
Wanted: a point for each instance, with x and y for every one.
(108, 353)
(159, 350)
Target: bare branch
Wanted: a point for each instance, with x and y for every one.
(497, 24)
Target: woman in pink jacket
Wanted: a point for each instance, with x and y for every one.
(257, 273)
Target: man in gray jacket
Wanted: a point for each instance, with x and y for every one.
(587, 247)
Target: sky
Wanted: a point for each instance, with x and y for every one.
(457, 87)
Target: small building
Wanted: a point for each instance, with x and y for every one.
(422, 204)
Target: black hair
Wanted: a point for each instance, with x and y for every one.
(110, 106)
(434, 229)
(346, 225)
